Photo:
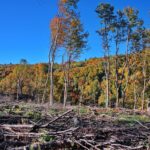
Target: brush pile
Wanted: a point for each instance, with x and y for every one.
(69, 130)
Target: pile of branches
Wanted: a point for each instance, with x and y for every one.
(71, 131)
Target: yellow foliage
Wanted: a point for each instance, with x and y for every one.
(138, 74)
(75, 23)
(130, 11)
(120, 70)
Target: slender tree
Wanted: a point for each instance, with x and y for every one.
(131, 16)
(57, 39)
(119, 37)
(145, 62)
(75, 38)
(106, 14)
(137, 45)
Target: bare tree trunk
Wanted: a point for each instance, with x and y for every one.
(81, 99)
(19, 89)
(51, 83)
(135, 97)
(107, 91)
(52, 54)
(107, 82)
(127, 64)
(116, 71)
(65, 93)
(143, 94)
(65, 82)
(117, 97)
(44, 92)
(144, 81)
(66, 78)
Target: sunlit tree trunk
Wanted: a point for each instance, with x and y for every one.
(19, 89)
(135, 97)
(144, 81)
(116, 73)
(51, 84)
(126, 65)
(107, 70)
(65, 93)
(52, 53)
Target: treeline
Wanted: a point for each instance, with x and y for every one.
(121, 80)
(87, 82)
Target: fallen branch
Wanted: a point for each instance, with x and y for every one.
(78, 143)
(37, 135)
(128, 147)
(36, 126)
(45, 146)
(142, 124)
(65, 131)
(26, 134)
(47, 124)
(95, 148)
(16, 126)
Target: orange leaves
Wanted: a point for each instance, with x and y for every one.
(62, 7)
(75, 23)
(58, 30)
(63, 1)
(40, 68)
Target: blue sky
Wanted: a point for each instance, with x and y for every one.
(24, 27)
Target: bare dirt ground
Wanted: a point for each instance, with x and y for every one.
(36, 127)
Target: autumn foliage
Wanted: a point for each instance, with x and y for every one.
(87, 76)
(58, 30)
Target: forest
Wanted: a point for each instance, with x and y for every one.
(87, 82)
(99, 103)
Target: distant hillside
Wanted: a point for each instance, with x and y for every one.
(87, 81)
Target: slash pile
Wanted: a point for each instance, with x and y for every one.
(69, 130)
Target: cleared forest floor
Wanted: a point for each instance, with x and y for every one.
(36, 127)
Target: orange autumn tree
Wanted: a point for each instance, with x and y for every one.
(75, 38)
(57, 31)
(57, 39)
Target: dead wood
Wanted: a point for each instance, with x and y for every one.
(16, 126)
(142, 124)
(36, 126)
(127, 147)
(94, 132)
(78, 143)
(45, 146)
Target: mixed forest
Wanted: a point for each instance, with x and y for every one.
(87, 82)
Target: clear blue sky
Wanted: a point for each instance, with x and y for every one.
(24, 27)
